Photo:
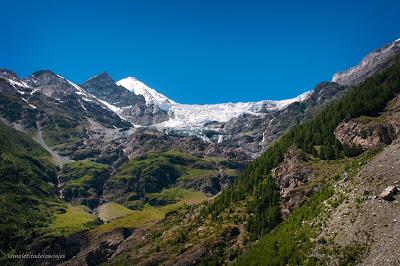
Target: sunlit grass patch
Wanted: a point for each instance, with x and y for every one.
(74, 219)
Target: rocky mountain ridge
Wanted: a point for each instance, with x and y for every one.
(372, 62)
(101, 110)
(100, 95)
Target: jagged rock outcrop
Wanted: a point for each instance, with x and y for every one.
(104, 88)
(211, 185)
(98, 249)
(82, 248)
(50, 84)
(372, 132)
(368, 135)
(129, 105)
(292, 173)
(5, 73)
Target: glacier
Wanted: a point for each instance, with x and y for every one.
(196, 116)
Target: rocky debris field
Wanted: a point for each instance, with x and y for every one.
(366, 226)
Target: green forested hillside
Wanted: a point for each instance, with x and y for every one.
(315, 136)
(27, 176)
(291, 242)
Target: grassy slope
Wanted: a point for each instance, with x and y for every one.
(185, 222)
(61, 131)
(26, 194)
(82, 172)
(150, 174)
(29, 201)
(186, 165)
(82, 176)
(151, 213)
(72, 219)
(169, 194)
(111, 210)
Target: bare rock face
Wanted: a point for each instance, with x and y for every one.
(98, 249)
(290, 174)
(50, 84)
(373, 62)
(368, 135)
(133, 107)
(144, 140)
(372, 132)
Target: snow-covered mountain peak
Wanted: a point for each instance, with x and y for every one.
(151, 95)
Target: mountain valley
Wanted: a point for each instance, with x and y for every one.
(114, 172)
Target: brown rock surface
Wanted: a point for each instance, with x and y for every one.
(291, 173)
(372, 132)
(367, 135)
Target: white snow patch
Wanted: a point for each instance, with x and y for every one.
(79, 89)
(110, 106)
(21, 84)
(302, 97)
(33, 91)
(86, 97)
(89, 98)
(16, 83)
(84, 108)
(31, 105)
(113, 108)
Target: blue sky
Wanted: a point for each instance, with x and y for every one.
(197, 51)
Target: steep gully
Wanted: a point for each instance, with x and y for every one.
(57, 159)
